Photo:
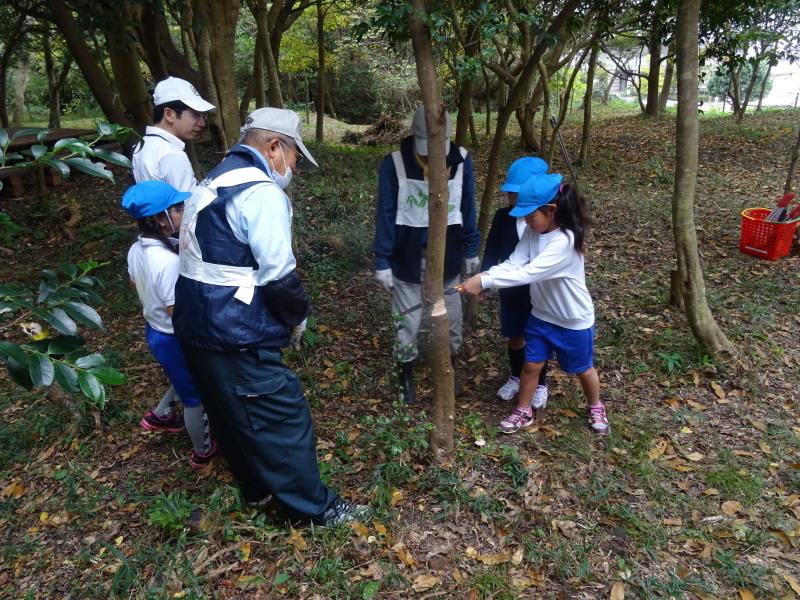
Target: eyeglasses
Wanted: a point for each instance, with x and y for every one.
(299, 156)
(198, 116)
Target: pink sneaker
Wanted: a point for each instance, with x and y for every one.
(172, 423)
(597, 418)
(198, 461)
(516, 420)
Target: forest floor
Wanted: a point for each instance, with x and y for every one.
(695, 494)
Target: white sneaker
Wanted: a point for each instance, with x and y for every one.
(539, 397)
(509, 389)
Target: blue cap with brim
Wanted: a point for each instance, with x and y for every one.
(537, 191)
(149, 198)
(521, 170)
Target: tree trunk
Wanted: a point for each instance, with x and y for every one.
(124, 61)
(607, 93)
(787, 188)
(690, 275)
(665, 89)
(443, 414)
(488, 103)
(259, 85)
(261, 13)
(22, 74)
(763, 87)
(55, 82)
(220, 18)
(587, 105)
(654, 76)
(320, 132)
(208, 91)
(10, 45)
(734, 90)
(97, 81)
(471, 44)
(749, 91)
(150, 42)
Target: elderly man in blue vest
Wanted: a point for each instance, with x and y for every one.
(401, 237)
(238, 301)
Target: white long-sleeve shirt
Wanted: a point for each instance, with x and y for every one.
(161, 157)
(555, 272)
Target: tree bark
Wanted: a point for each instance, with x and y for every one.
(587, 105)
(219, 18)
(55, 82)
(10, 46)
(261, 14)
(690, 274)
(763, 87)
(607, 93)
(654, 76)
(787, 188)
(666, 87)
(259, 85)
(443, 414)
(97, 81)
(22, 74)
(320, 131)
(149, 37)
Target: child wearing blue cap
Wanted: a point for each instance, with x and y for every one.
(515, 302)
(153, 269)
(549, 258)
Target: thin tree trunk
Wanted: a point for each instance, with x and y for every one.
(443, 414)
(22, 74)
(763, 87)
(97, 81)
(654, 75)
(607, 93)
(488, 103)
(208, 91)
(587, 105)
(665, 89)
(16, 32)
(787, 188)
(690, 274)
(259, 85)
(320, 131)
(244, 105)
(150, 42)
(749, 91)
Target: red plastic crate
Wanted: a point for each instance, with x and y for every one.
(762, 238)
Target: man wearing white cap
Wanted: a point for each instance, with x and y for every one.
(238, 301)
(401, 237)
(180, 115)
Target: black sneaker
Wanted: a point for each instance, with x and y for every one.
(260, 504)
(342, 512)
(198, 461)
(172, 423)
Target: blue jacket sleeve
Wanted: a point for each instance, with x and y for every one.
(491, 252)
(472, 237)
(385, 214)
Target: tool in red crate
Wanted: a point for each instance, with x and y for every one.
(777, 212)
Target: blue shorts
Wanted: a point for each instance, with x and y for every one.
(167, 350)
(574, 348)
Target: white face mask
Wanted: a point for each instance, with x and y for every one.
(281, 180)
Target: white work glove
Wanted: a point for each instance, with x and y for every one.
(471, 266)
(297, 332)
(384, 277)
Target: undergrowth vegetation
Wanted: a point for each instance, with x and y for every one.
(693, 495)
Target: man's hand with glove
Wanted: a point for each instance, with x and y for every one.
(385, 279)
(297, 332)
(471, 266)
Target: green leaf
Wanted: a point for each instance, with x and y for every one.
(92, 387)
(73, 145)
(28, 131)
(83, 313)
(38, 151)
(59, 165)
(107, 128)
(58, 319)
(11, 350)
(65, 344)
(69, 269)
(3, 137)
(12, 290)
(281, 578)
(92, 168)
(371, 589)
(115, 158)
(42, 371)
(40, 346)
(20, 374)
(66, 378)
(108, 375)
(60, 474)
(90, 360)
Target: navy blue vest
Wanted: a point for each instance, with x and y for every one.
(208, 316)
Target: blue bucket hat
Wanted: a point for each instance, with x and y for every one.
(521, 170)
(537, 191)
(149, 198)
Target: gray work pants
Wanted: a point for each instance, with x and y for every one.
(404, 296)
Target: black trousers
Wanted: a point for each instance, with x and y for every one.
(263, 426)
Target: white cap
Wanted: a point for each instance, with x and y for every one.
(173, 89)
(285, 122)
(420, 132)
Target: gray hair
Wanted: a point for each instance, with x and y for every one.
(258, 138)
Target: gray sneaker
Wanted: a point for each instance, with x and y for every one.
(342, 512)
(539, 397)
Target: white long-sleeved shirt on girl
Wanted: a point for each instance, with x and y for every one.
(556, 274)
